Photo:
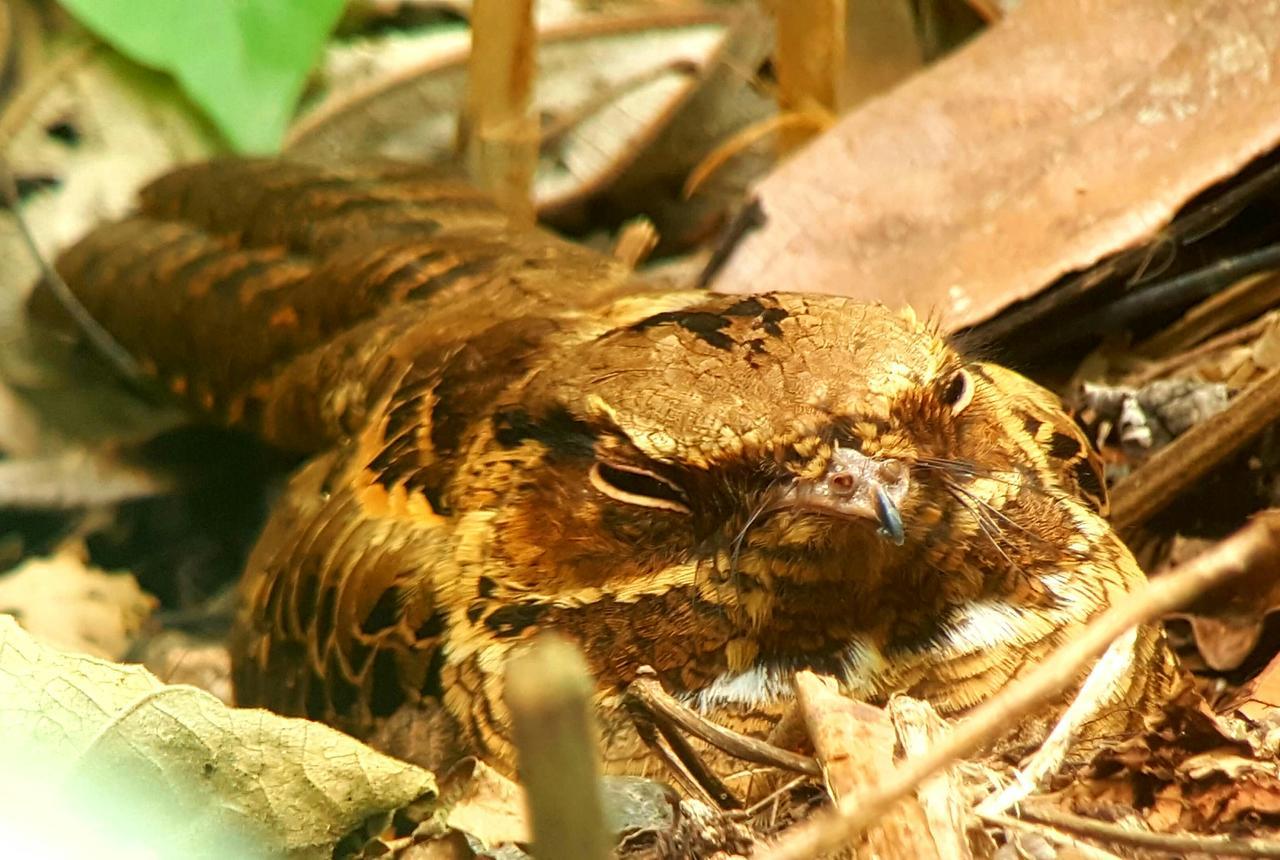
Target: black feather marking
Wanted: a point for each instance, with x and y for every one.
(1063, 446)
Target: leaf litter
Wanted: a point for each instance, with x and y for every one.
(1056, 165)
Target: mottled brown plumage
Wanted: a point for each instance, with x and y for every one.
(508, 434)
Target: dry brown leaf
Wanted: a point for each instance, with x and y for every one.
(1165, 814)
(20, 430)
(67, 604)
(1194, 770)
(977, 183)
(1259, 699)
(659, 90)
(854, 742)
(883, 48)
(105, 753)
(1249, 799)
(1225, 764)
(945, 798)
(485, 804)
(130, 125)
(847, 735)
(453, 846)
(710, 127)
(1227, 621)
(1265, 351)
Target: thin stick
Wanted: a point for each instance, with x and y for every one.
(676, 767)
(1149, 300)
(1057, 838)
(811, 122)
(1257, 543)
(771, 797)
(99, 339)
(679, 754)
(650, 694)
(1092, 699)
(1173, 843)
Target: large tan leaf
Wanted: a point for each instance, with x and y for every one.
(1066, 132)
(95, 748)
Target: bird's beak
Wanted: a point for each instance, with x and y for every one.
(858, 486)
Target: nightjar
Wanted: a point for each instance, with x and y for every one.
(506, 433)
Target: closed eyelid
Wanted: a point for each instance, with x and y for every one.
(636, 486)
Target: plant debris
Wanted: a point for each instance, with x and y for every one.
(1090, 194)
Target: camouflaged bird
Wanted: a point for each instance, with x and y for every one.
(509, 433)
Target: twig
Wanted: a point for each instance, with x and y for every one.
(548, 691)
(1186, 459)
(811, 122)
(771, 797)
(717, 796)
(98, 337)
(1086, 850)
(1149, 300)
(1172, 843)
(1184, 229)
(635, 242)
(670, 744)
(650, 694)
(988, 10)
(1258, 540)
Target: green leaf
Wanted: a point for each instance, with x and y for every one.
(244, 62)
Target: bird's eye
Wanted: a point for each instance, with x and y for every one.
(958, 392)
(638, 487)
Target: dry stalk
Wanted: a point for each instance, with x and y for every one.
(497, 129)
(548, 690)
(809, 61)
